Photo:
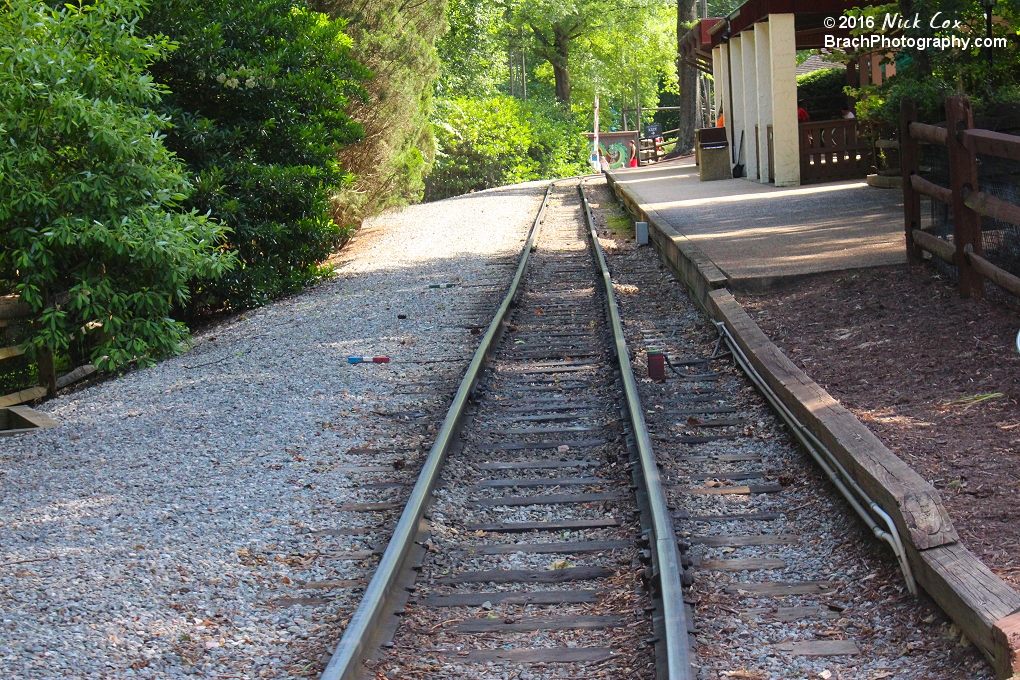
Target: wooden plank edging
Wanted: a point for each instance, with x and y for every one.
(41, 420)
(687, 262)
(912, 502)
(985, 608)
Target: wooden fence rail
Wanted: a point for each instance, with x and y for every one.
(13, 309)
(968, 203)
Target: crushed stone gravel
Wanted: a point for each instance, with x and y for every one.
(195, 519)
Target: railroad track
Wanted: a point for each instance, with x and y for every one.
(788, 579)
(536, 540)
(546, 538)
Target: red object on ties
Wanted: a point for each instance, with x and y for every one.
(656, 366)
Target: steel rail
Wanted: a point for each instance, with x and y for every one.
(358, 641)
(665, 547)
(833, 469)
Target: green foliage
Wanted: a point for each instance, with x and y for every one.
(396, 41)
(259, 93)
(928, 75)
(473, 53)
(501, 140)
(564, 30)
(631, 59)
(821, 92)
(94, 239)
(882, 103)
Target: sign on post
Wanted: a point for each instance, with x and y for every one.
(653, 130)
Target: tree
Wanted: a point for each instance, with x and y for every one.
(555, 26)
(564, 33)
(473, 52)
(259, 94)
(396, 41)
(928, 76)
(94, 239)
(687, 77)
(630, 61)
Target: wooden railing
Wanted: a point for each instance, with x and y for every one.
(834, 149)
(967, 202)
(13, 309)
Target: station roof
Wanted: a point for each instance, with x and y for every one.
(809, 15)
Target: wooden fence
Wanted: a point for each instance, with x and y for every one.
(967, 201)
(13, 309)
(832, 150)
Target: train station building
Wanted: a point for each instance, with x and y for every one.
(751, 55)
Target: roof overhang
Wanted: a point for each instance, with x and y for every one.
(696, 45)
(809, 16)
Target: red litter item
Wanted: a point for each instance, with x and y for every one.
(368, 360)
(656, 365)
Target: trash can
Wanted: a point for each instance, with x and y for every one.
(713, 154)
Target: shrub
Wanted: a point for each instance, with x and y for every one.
(483, 143)
(94, 239)
(396, 40)
(822, 92)
(259, 90)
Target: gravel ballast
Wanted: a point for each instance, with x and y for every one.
(863, 600)
(194, 518)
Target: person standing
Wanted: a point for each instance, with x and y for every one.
(633, 154)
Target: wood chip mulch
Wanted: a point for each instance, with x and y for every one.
(936, 377)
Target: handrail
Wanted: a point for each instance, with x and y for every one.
(930, 134)
(356, 644)
(665, 544)
(923, 186)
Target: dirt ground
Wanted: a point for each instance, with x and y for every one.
(936, 377)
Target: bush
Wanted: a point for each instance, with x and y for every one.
(484, 143)
(822, 93)
(259, 90)
(396, 40)
(94, 239)
(882, 103)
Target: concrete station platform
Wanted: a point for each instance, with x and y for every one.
(761, 236)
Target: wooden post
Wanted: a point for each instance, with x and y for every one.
(964, 178)
(909, 161)
(47, 371)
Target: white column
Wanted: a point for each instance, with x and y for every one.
(723, 88)
(750, 59)
(737, 131)
(717, 79)
(761, 45)
(785, 130)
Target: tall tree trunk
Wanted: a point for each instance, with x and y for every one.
(687, 76)
(561, 65)
(555, 49)
(562, 83)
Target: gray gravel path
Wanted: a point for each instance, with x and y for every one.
(190, 519)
